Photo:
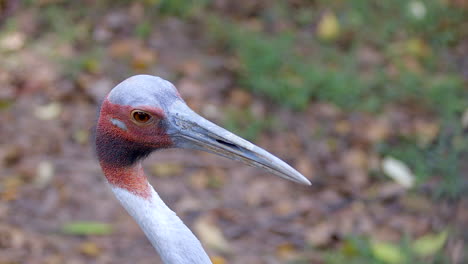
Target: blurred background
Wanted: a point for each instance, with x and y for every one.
(368, 99)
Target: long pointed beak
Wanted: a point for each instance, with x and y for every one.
(189, 130)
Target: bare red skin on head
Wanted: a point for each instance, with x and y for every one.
(120, 150)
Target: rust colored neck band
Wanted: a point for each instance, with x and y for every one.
(132, 178)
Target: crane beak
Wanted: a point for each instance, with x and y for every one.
(189, 130)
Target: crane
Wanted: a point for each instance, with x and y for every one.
(145, 113)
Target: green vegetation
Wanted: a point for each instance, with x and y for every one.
(406, 42)
(86, 228)
(427, 249)
(360, 56)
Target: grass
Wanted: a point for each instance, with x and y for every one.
(293, 68)
(290, 65)
(424, 250)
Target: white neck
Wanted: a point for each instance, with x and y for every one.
(175, 243)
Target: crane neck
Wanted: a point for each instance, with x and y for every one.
(130, 178)
(171, 238)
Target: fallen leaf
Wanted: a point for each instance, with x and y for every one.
(81, 136)
(210, 234)
(166, 169)
(429, 244)
(12, 42)
(89, 249)
(48, 111)
(387, 252)
(321, 234)
(9, 190)
(286, 251)
(86, 228)
(398, 171)
(328, 27)
(417, 9)
(218, 260)
(45, 173)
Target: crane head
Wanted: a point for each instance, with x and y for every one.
(145, 113)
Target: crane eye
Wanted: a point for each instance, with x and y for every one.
(141, 117)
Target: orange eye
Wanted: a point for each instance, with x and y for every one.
(141, 117)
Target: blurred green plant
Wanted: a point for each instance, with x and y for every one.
(87, 228)
(179, 8)
(427, 249)
(292, 68)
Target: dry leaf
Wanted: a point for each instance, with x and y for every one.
(328, 27)
(48, 111)
(286, 251)
(166, 169)
(218, 260)
(45, 173)
(417, 9)
(210, 234)
(12, 42)
(9, 189)
(81, 136)
(89, 249)
(398, 171)
(321, 234)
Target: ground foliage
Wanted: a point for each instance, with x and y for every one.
(346, 91)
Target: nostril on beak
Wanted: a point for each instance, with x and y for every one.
(227, 144)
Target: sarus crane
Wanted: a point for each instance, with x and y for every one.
(146, 113)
